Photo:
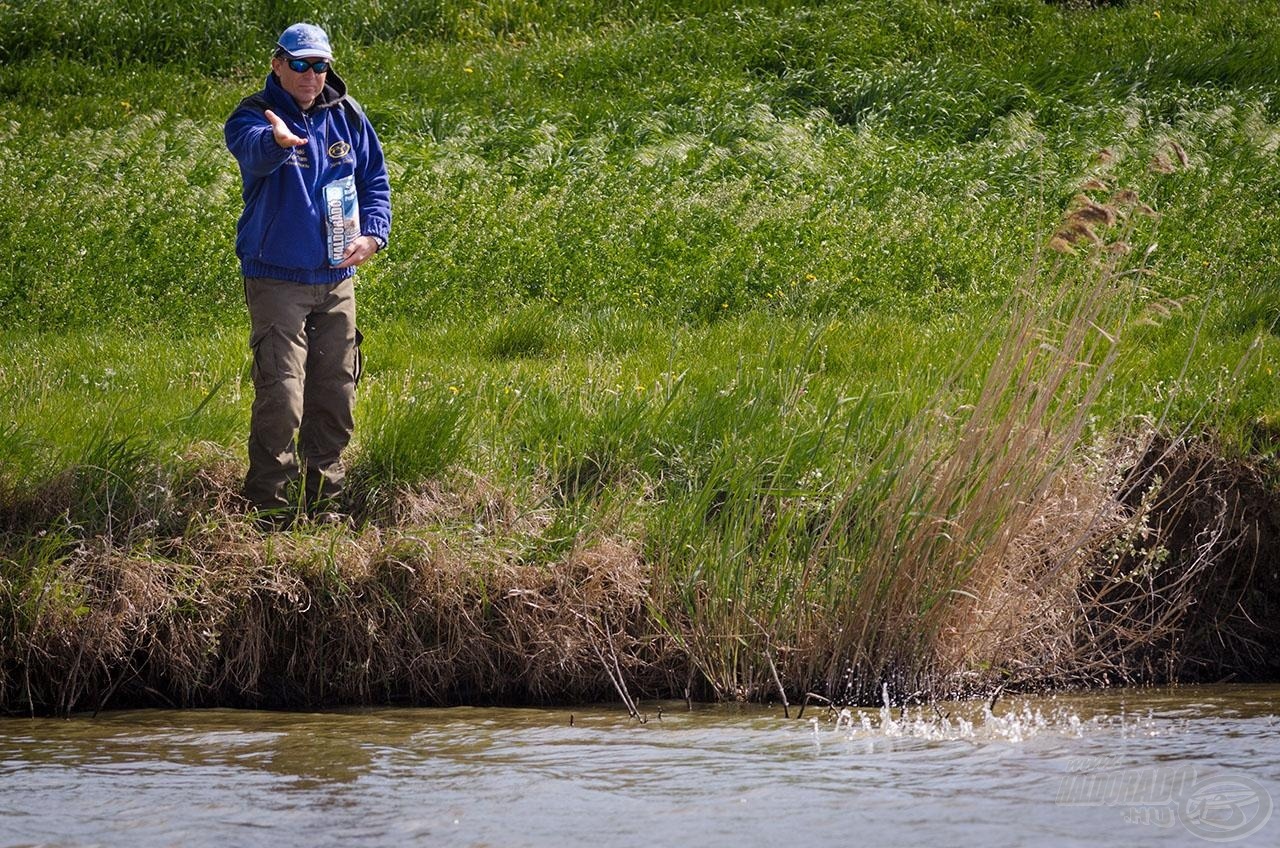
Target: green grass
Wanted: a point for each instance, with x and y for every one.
(686, 160)
(689, 274)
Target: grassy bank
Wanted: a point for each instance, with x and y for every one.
(720, 347)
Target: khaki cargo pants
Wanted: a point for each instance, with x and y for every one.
(304, 378)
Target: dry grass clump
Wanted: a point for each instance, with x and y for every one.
(129, 580)
(229, 616)
(125, 489)
(967, 479)
(1193, 591)
(1156, 565)
(471, 499)
(1154, 561)
(1019, 624)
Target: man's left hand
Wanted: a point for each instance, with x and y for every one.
(359, 251)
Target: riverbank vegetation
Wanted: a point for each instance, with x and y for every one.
(722, 349)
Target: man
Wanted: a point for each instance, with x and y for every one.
(294, 141)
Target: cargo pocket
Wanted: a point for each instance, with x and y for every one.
(266, 356)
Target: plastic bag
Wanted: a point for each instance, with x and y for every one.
(341, 217)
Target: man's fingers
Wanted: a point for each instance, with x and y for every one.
(284, 136)
(354, 257)
(358, 252)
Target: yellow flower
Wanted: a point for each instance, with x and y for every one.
(454, 390)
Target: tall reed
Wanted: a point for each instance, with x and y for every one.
(971, 474)
(888, 571)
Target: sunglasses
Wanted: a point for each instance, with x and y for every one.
(299, 66)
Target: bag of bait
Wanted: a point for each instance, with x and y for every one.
(341, 217)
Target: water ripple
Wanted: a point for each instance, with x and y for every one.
(732, 775)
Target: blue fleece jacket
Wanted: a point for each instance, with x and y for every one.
(281, 232)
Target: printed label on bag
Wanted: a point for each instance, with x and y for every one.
(342, 217)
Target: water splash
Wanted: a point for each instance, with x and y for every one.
(1016, 723)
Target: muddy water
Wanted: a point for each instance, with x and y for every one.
(1191, 766)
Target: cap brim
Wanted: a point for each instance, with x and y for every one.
(307, 54)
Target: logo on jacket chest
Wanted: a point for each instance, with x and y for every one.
(339, 150)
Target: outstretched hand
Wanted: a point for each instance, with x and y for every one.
(284, 136)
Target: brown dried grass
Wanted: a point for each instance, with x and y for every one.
(1154, 561)
(1156, 564)
(228, 615)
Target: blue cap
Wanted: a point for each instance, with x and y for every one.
(305, 40)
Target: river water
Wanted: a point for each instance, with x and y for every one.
(1188, 766)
